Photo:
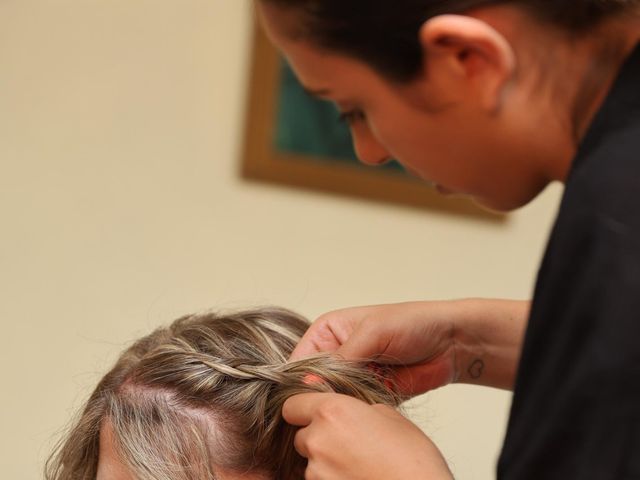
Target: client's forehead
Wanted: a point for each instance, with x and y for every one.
(111, 468)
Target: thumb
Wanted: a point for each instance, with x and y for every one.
(362, 344)
(303, 349)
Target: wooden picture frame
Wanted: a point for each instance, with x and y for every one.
(264, 162)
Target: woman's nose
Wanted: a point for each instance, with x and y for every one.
(368, 149)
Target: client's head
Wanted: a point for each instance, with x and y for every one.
(202, 400)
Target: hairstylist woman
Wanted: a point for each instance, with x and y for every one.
(495, 100)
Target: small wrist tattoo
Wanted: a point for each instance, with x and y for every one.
(476, 369)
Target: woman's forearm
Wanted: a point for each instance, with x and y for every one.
(488, 341)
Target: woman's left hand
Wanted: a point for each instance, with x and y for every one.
(345, 438)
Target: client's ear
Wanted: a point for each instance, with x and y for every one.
(467, 57)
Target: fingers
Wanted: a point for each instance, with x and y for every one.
(328, 333)
(356, 348)
(365, 342)
(343, 437)
(300, 442)
(319, 414)
(305, 348)
(387, 411)
(347, 333)
(302, 409)
(299, 410)
(320, 337)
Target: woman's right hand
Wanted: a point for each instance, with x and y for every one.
(427, 344)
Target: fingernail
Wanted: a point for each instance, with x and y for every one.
(312, 379)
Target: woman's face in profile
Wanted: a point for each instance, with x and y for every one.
(453, 143)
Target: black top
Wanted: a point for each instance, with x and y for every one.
(576, 408)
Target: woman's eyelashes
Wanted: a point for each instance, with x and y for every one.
(352, 116)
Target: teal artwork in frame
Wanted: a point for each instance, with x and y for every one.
(310, 126)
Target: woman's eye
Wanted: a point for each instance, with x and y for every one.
(352, 116)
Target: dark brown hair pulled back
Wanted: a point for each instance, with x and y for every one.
(384, 34)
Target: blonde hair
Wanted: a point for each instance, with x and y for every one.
(204, 394)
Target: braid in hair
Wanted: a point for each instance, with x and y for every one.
(207, 394)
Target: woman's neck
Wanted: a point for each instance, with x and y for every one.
(568, 75)
(602, 57)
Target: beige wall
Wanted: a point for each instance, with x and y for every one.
(121, 208)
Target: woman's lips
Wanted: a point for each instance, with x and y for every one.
(444, 190)
(413, 172)
(440, 188)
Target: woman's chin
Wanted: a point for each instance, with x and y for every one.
(496, 206)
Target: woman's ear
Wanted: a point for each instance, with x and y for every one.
(468, 57)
